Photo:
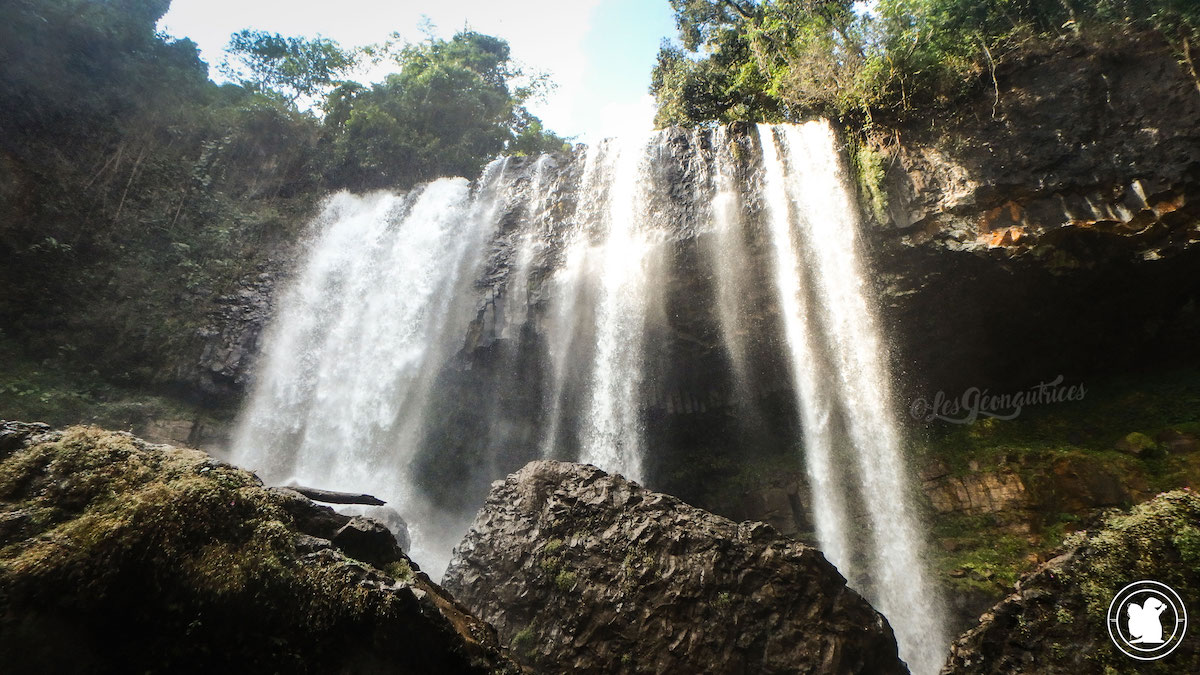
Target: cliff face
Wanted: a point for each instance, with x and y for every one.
(119, 556)
(1049, 227)
(1043, 228)
(585, 572)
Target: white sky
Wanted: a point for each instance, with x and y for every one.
(599, 52)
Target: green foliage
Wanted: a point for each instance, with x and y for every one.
(452, 106)
(523, 642)
(295, 67)
(871, 169)
(982, 557)
(53, 392)
(802, 57)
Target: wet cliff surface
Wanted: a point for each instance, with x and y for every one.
(1050, 227)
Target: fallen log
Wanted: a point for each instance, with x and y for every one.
(332, 497)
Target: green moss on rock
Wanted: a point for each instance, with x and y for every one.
(1055, 622)
(121, 556)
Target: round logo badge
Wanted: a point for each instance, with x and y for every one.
(1147, 620)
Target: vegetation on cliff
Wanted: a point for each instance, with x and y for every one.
(779, 60)
(119, 556)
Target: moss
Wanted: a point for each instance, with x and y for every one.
(983, 559)
(871, 169)
(523, 642)
(724, 601)
(1156, 540)
(61, 394)
(565, 580)
(552, 546)
(400, 571)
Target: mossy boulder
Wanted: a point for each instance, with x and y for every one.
(121, 556)
(1056, 621)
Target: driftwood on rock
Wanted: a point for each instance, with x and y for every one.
(331, 497)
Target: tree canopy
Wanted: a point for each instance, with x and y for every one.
(452, 105)
(783, 59)
(134, 190)
(295, 67)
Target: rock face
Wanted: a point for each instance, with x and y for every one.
(120, 556)
(233, 336)
(585, 572)
(1048, 226)
(1055, 622)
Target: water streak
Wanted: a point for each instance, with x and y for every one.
(807, 184)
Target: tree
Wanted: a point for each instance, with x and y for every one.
(293, 66)
(452, 106)
(761, 61)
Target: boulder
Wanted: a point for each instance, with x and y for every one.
(368, 540)
(1055, 622)
(119, 556)
(586, 572)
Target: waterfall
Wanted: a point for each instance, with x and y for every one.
(612, 435)
(342, 393)
(655, 305)
(807, 196)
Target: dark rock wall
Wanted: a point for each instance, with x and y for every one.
(1049, 229)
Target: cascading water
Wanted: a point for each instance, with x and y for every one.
(612, 435)
(618, 306)
(343, 389)
(807, 197)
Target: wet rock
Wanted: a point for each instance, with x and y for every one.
(1018, 229)
(977, 492)
(15, 435)
(1138, 444)
(172, 432)
(1177, 443)
(582, 571)
(377, 540)
(368, 540)
(1080, 485)
(386, 515)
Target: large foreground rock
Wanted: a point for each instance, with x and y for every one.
(117, 556)
(1055, 622)
(585, 572)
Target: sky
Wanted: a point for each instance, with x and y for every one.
(598, 52)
